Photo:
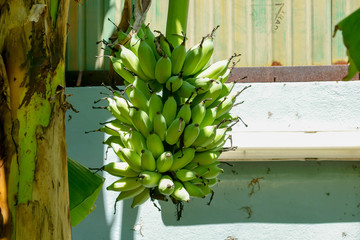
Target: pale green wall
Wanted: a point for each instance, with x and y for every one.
(296, 200)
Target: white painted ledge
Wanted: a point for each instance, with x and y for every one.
(294, 146)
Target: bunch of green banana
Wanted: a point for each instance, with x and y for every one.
(171, 121)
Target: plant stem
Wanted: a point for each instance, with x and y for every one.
(176, 21)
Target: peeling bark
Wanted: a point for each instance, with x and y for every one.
(34, 200)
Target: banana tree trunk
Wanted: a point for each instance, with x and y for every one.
(34, 198)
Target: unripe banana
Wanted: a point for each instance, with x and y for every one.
(207, 51)
(166, 185)
(148, 161)
(128, 155)
(191, 132)
(163, 69)
(212, 94)
(129, 194)
(113, 139)
(209, 118)
(223, 78)
(186, 90)
(193, 190)
(178, 58)
(125, 139)
(192, 59)
(182, 158)
(137, 141)
(219, 138)
(206, 190)
(150, 179)
(160, 126)
(155, 105)
(226, 89)
(141, 198)
(154, 144)
(142, 86)
(120, 69)
(215, 70)
(109, 131)
(113, 109)
(148, 60)
(134, 43)
(174, 131)
(206, 136)
(198, 112)
(185, 112)
(201, 170)
(169, 110)
(203, 84)
(123, 107)
(174, 83)
(124, 184)
(165, 45)
(211, 182)
(131, 62)
(180, 192)
(185, 175)
(213, 172)
(149, 38)
(206, 158)
(164, 162)
(155, 86)
(120, 169)
(141, 121)
(138, 99)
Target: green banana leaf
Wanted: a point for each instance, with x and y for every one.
(84, 188)
(350, 27)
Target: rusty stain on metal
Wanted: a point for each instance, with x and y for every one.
(290, 74)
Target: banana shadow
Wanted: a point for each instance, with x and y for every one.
(277, 192)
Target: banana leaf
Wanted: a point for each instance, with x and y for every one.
(84, 188)
(350, 27)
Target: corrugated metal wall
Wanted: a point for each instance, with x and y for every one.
(265, 32)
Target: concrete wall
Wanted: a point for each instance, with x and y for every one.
(292, 199)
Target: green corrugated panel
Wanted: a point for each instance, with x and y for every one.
(265, 32)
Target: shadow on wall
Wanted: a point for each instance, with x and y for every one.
(278, 192)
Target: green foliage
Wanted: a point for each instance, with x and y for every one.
(350, 27)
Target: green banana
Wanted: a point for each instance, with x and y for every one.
(160, 126)
(226, 89)
(123, 107)
(166, 185)
(191, 132)
(206, 136)
(131, 62)
(155, 105)
(178, 57)
(200, 170)
(124, 184)
(141, 198)
(148, 161)
(113, 139)
(223, 78)
(185, 175)
(149, 179)
(138, 99)
(142, 86)
(185, 112)
(169, 109)
(114, 110)
(192, 59)
(174, 131)
(212, 94)
(149, 38)
(206, 158)
(164, 162)
(186, 90)
(120, 169)
(198, 112)
(202, 84)
(217, 69)
(134, 43)
(206, 190)
(193, 190)
(141, 121)
(148, 59)
(174, 83)
(128, 155)
(213, 172)
(182, 158)
(209, 118)
(180, 192)
(212, 181)
(154, 144)
(164, 45)
(129, 194)
(137, 141)
(163, 69)
(207, 51)
(155, 86)
(120, 69)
